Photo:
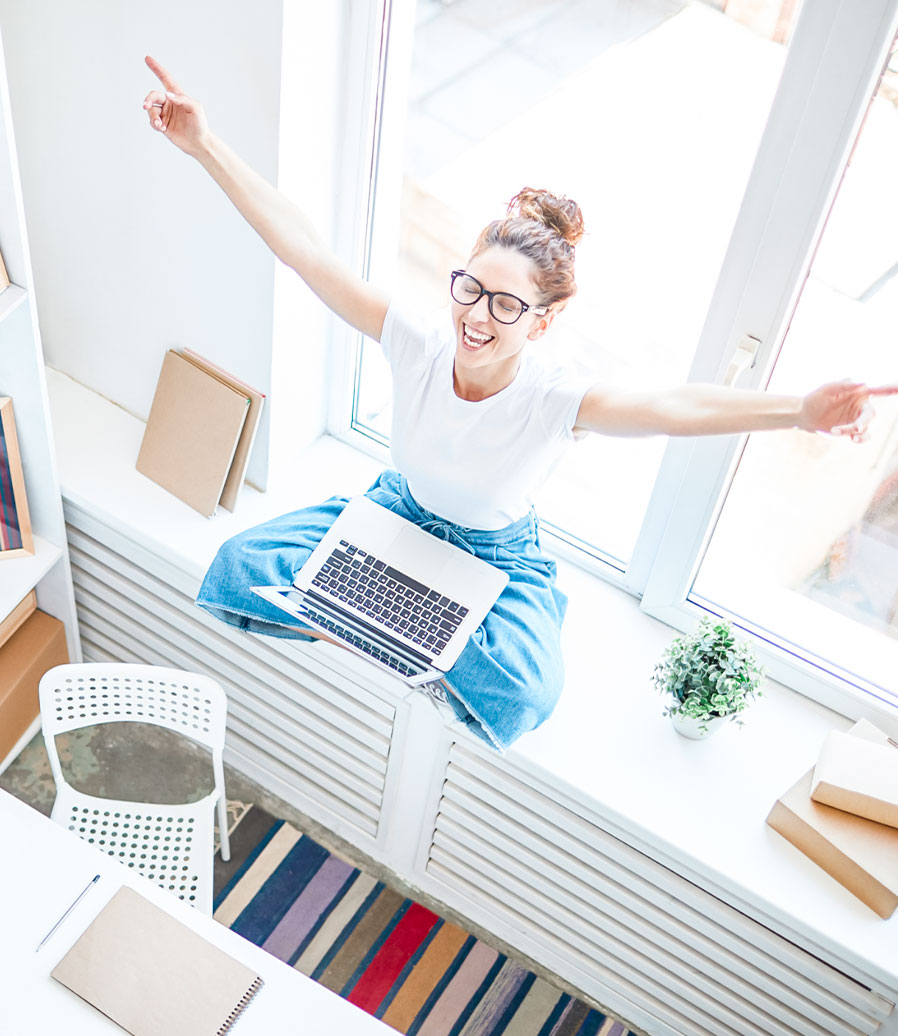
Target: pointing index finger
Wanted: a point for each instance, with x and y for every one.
(163, 75)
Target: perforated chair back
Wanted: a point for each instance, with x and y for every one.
(171, 844)
(81, 695)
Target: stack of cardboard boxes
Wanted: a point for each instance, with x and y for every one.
(31, 642)
(843, 814)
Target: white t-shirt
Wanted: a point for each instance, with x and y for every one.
(479, 464)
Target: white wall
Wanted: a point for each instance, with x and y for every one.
(134, 248)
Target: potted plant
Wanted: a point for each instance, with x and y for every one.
(709, 676)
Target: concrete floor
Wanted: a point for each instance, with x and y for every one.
(145, 763)
(141, 762)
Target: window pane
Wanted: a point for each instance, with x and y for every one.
(648, 113)
(807, 542)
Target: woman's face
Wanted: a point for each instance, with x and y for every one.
(483, 344)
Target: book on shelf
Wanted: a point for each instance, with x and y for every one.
(861, 854)
(153, 975)
(194, 437)
(17, 616)
(38, 644)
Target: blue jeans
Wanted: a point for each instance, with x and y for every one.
(509, 675)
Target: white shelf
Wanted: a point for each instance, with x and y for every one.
(18, 576)
(11, 298)
(22, 378)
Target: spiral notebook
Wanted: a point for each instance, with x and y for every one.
(154, 976)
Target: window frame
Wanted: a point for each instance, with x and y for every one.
(832, 68)
(379, 35)
(841, 51)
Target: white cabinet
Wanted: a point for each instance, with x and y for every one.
(22, 378)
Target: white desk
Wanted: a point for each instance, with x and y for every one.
(43, 868)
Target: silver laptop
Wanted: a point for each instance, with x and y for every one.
(392, 592)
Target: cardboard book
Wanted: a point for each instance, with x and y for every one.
(858, 777)
(860, 854)
(192, 433)
(237, 472)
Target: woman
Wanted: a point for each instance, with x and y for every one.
(477, 424)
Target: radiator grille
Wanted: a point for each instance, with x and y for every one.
(622, 927)
(626, 929)
(322, 748)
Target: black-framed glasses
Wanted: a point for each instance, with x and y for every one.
(505, 308)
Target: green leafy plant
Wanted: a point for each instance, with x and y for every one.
(708, 673)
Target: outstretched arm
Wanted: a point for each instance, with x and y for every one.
(285, 228)
(839, 408)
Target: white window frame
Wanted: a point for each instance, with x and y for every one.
(380, 34)
(840, 48)
(835, 59)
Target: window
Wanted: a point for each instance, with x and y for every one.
(819, 571)
(705, 142)
(651, 122)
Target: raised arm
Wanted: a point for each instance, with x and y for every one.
(282, 225)
(838, 408)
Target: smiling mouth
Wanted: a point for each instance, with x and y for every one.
(475, 339)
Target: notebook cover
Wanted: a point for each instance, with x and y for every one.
(859, 853)
(858, 777)
(192, 433)
(237, 472)
(153, 975)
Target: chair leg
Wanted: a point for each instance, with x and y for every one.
(223, 829)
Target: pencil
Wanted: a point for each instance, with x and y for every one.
(78, 899)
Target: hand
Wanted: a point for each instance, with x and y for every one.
(175, 114)
(842, 408)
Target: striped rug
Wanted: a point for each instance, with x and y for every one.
(385, 953)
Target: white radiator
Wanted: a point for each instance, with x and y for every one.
(321, 747)
(624, 929)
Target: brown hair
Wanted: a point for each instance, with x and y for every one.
(545, 228)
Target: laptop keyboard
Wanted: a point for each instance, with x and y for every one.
(342, 632)
(408, 608)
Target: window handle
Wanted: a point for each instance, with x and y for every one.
(743, 358)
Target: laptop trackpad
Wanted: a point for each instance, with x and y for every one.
(419, 555)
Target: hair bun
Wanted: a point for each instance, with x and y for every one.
(557, 213)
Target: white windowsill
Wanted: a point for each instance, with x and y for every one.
(607, 747)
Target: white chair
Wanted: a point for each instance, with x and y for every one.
(172, 845)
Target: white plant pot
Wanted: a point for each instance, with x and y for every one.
(693, 728)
